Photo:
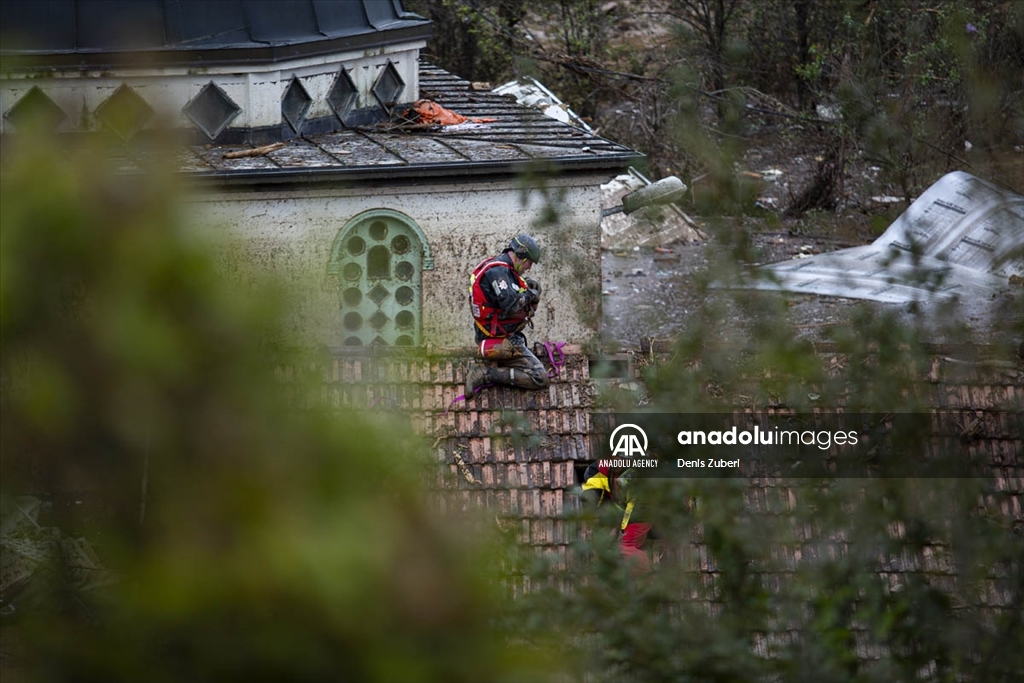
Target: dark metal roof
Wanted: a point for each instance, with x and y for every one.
(520, 139)
(193, 32)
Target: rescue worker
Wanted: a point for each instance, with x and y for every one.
(604, 484)
(503, 301)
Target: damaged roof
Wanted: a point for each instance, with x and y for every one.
(520, 139)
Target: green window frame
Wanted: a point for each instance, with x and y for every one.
(378, 259)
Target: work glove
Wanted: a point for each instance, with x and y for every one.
(532, 284)
(532, 297)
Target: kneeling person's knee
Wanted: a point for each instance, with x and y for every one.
(499, 349)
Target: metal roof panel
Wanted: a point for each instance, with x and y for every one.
(303, 154)
(360, 149)
(962, 232)
(76, 33)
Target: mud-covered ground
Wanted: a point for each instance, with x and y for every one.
(652, 294)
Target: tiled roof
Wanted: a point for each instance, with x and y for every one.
(510, 450)
(516, 452)
(519, 139)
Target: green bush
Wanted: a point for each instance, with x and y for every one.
(255, 540)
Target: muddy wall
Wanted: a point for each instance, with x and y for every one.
(296, 235)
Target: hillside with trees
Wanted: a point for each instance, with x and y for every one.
(888, 95)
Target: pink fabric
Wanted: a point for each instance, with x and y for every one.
(631, 546)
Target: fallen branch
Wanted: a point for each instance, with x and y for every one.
(255, 151)
(810, 325)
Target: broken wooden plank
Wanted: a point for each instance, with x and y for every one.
(255, 151)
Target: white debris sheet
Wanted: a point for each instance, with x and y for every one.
(532, 93)
(962, 237)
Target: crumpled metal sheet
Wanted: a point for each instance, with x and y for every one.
(962, 237)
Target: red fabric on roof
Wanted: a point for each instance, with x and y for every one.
(428, 111)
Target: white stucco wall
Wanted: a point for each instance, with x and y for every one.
(290, 234)
(257, 88)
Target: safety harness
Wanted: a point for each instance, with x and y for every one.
(487, 317)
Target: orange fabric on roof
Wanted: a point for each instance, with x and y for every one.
(428, 111)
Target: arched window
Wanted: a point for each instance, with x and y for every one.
(378, 258)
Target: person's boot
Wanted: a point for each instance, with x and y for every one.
(476, 377)
(514, 377)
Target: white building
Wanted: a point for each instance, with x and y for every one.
(376, 219)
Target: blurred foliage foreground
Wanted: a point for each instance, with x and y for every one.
(252, 542)
(242, 539)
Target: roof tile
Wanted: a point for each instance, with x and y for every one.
(515, 452)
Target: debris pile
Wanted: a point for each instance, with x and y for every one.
(659, 227)
(36, 561)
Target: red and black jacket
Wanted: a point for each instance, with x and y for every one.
(498, 298)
